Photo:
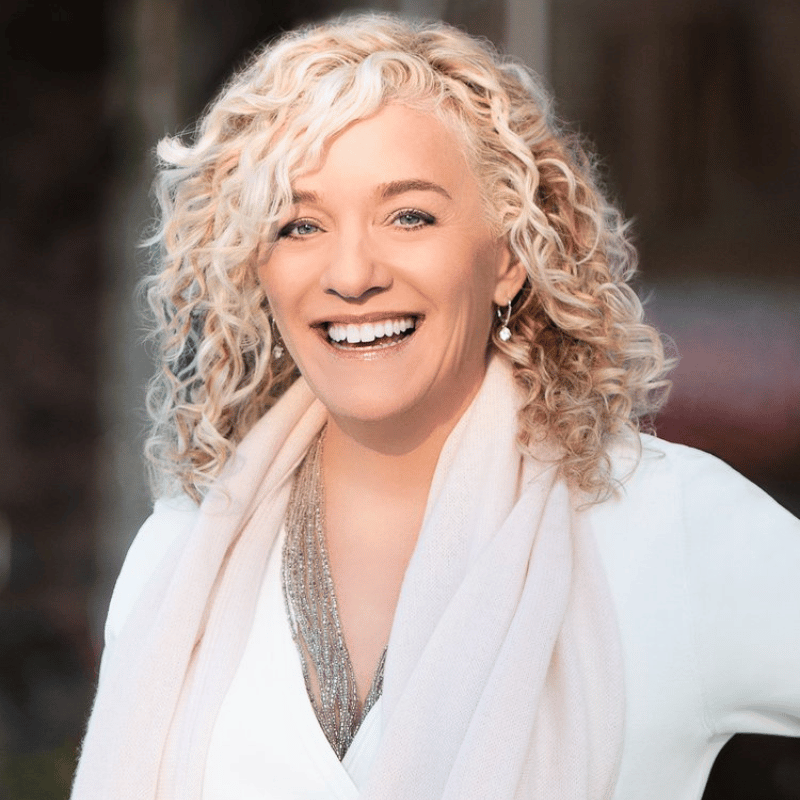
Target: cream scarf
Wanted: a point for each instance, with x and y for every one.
(503, 676)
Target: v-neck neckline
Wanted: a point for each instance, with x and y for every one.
(312, 611)
(306, 723)
(267, 742)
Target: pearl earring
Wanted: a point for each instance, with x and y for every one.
(504, 333)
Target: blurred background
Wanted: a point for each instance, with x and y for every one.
(694, 108)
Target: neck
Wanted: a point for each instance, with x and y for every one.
(376, 471)
(394, 457)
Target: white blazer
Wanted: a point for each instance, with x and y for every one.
(703, 569)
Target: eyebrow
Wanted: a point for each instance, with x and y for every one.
(385, 191)
(310, 198)
(395, 188)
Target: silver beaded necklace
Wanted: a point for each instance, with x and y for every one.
(310, 599)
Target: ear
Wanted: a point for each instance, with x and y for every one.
(510, 275)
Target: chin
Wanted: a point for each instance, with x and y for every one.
(371, 408)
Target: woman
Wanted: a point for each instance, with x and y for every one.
(443, 563)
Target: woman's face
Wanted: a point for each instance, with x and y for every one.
(385, 271)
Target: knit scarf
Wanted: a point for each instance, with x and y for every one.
(503, 677)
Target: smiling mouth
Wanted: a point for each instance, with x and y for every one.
(370, 335)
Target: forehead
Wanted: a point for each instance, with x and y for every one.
(397, 143)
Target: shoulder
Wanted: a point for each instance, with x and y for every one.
(677, 498)
(658, 459)
(170, 523)
(700, 486)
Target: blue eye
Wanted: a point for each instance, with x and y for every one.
(298, 229)
(411, 219)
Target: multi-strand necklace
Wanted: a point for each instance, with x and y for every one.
(313, 614)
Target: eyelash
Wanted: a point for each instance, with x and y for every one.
(424, 219)
(286, 231)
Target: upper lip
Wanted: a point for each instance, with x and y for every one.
(361, 319)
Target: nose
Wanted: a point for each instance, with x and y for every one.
(355, 270)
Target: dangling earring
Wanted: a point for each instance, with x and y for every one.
(504, 334)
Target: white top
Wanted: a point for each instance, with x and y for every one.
(703, 572)
(295, 761)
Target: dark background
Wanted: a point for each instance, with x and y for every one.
(694, 106)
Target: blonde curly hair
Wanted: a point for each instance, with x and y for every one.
(589, 367)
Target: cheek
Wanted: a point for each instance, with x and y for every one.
(470, 276)
(279, 282)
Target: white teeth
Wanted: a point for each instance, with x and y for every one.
(337, 332)
(369, 331)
